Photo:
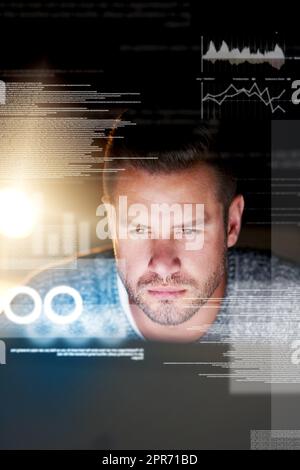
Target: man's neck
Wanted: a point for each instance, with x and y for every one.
(187, 332)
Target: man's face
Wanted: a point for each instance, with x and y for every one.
(167, 281)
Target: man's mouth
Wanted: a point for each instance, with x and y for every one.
(166, 292)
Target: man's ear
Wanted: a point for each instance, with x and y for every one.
(235, 213)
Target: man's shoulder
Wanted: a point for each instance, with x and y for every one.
(83, 272)
(94, 277)
(262, 265)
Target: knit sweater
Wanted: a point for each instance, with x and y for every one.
(261, 301)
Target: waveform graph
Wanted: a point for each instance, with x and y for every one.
(246, 56)
(242, 97)
(235, 56)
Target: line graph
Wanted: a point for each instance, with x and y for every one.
(231, 92)
(274, 57)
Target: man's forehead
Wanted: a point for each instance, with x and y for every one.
(184, 186)
(177, 213)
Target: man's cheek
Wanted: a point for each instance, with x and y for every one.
(123, 249)
(203, 244)
(214, 237)
(196, 242)
(208, 255)
(131, 263)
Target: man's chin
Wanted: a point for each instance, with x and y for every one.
(167, 312)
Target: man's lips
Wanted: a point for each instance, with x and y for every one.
(166, 292)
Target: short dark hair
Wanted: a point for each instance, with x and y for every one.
(167, 148)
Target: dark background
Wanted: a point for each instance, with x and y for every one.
(107, 404)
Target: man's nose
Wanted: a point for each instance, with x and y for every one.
(164, 259)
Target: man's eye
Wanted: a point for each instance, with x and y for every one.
(139, 230)
(187, 231)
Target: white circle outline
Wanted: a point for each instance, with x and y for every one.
(26, 319)
(63, 319)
